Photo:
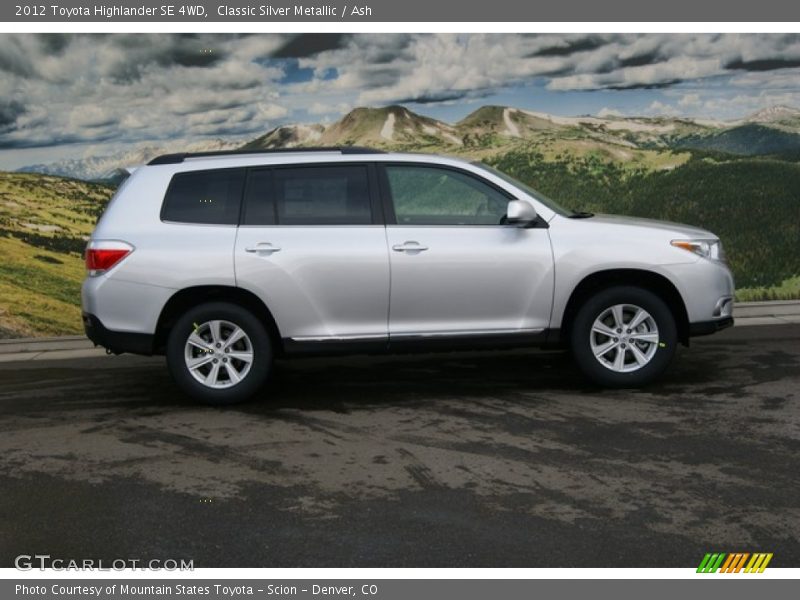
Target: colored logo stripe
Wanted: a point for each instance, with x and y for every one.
(734, 562)
(758, 563)
(710, 563)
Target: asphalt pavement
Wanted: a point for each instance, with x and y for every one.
(504, 459)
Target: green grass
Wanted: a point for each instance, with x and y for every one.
(38, 297)
(789, 289)
(44, 222)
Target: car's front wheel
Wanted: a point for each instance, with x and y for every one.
(623, 337)
(219, 353)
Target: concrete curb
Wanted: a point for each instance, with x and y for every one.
(777, 312)
(780, 312)
(67, 342)
(7, 357)
(773, 308)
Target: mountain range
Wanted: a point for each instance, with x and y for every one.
(488, 131)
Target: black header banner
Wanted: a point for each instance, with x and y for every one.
(350, 11)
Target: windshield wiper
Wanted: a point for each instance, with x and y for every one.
(581, 215)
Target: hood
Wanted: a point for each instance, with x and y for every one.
(677, 229)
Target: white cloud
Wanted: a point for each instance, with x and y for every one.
(660, 109)
(270, 111)
(90, 117)
(134, 87)
(774, 80)
(325, 108)
(690, 101)
(137, 87)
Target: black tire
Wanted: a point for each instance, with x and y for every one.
(581, 329)
(260, 343)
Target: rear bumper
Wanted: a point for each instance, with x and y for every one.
(116, 341)
(709, 327)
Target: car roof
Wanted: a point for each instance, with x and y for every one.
(192, 161)
(179, 157)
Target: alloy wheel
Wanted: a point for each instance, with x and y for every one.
(624, 338)
(218, 354)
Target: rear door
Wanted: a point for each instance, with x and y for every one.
(312, 245)
(456, 268)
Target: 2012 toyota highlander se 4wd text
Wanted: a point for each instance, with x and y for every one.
(224, 261)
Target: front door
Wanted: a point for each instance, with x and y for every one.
(456, 269)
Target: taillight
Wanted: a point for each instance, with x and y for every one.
(102, 255)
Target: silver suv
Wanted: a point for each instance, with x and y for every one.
(225, 261)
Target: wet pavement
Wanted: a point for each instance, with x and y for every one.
(444, 460)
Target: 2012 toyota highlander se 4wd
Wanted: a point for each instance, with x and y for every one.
(224, 261)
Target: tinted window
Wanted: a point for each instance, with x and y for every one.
(324, 195)
(210, 197)
(259, 201)
(434, 196)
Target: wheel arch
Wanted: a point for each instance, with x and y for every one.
(648, 280)
(188, 298)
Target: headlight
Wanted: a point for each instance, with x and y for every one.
(711, 249)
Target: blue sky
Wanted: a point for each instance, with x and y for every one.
(84, 95)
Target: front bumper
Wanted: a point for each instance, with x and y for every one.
(706, 287)
(709, 327)
(116, 341)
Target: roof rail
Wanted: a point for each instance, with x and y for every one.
(179, 157)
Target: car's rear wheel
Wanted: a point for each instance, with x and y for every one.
(219, 353)
(623, 337)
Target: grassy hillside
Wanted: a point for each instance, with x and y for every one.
(753, 204)
(750, 139)
(44, 224)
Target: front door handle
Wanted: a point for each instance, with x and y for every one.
(411, 247)
(263, 247)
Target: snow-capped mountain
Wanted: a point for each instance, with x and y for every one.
(92, 168)
(773, 114)
(287, 136)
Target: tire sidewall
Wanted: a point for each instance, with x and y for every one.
(591, 309)
(259, 338)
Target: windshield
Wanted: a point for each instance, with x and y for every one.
(548, 202)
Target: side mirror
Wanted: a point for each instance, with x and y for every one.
(520, 213)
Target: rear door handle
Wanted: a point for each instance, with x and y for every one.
(263, 247)
(410, 246)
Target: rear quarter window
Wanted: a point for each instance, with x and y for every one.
(209, 197)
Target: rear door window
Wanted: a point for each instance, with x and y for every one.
(309, 195)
